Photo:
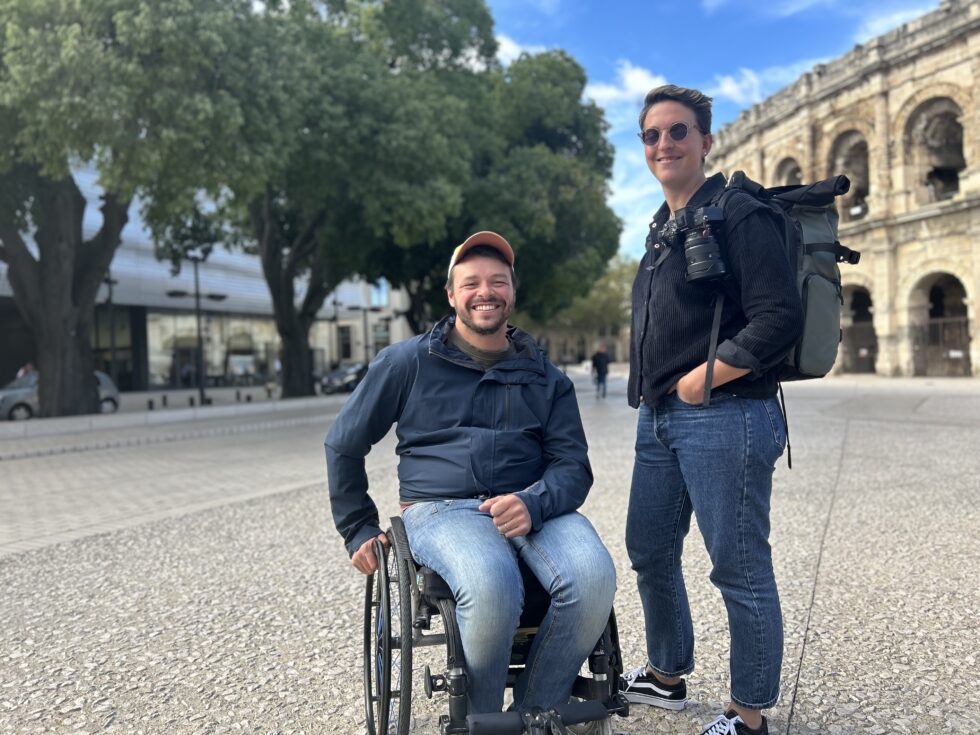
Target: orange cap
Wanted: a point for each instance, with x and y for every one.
(491, 239)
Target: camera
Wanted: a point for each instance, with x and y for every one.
(695, 228)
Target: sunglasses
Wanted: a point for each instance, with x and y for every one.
(678, 131)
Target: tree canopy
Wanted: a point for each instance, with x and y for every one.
(135, 91)
(331, 138)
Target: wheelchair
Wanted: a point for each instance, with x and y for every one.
(400, 601)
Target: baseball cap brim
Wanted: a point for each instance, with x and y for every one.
(491, 239)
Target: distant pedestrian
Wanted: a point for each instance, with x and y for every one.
(26, 369)
(600, 370)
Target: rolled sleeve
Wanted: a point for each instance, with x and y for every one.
(768, 295)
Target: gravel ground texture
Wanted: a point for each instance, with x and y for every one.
(188, 579)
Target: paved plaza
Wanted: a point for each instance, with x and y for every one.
(182, 575)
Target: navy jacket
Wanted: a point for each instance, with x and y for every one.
(762, 315)
(462, 432)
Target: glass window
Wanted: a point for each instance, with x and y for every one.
(382, 335)
(346, 346)
(379, 293)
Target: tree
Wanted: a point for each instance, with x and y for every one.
(539, 170)
(378, 155)
(605, 309)
(152, 96)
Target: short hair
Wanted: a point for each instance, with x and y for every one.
(486, 251)
(698, 102)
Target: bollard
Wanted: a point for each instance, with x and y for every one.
(207, 400)
(149, 405)
(190, 400)
(248, 398)
(163, 400)
(268, 392)
(238, 395)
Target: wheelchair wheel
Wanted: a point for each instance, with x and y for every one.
(597, 727)
(388, 646)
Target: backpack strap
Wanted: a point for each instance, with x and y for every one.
(842, 253)
(713, 347)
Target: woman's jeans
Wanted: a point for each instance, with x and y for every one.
(717, 462)
(463, 546)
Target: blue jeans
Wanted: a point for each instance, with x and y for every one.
(461, 543)
(717, 462)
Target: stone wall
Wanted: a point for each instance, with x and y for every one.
(900, 116)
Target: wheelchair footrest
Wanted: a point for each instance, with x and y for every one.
(534, 722)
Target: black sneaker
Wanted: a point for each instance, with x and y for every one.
(731, 724)
(639, 687)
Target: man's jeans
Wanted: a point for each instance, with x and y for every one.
(719, 462)
(461, 543)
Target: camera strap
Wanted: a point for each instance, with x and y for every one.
(713, 347)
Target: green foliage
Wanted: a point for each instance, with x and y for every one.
(539, 163)
(154, 95)
(606, 307)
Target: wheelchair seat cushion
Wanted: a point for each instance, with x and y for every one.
(536, 598)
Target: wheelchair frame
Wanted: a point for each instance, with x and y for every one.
(400, 600)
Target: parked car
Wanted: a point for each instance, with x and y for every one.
(343, 379)
(19, 401)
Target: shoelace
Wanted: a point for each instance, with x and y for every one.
(630, 676)
(723, 726)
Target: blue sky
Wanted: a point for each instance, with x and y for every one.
(738, 52)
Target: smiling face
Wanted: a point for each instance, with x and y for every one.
(677, 164)
(482, 294)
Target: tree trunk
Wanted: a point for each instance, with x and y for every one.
(297, 365)
(55, 292)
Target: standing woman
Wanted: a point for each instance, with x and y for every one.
(715, 460)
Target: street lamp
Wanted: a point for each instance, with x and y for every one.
(109, 281)
(364, 313)
(196, 256)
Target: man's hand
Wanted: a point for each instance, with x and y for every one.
(510, 515)
(364, 559)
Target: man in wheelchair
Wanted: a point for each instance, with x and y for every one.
(492, 467)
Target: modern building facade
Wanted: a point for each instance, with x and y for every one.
(147, 321)
(900, 116)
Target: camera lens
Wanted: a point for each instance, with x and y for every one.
(703, 256)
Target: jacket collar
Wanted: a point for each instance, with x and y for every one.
(708, 191)
(528, 357)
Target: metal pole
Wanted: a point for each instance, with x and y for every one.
(336, 332)
(200, 339)
(112, 333)
(367, 355)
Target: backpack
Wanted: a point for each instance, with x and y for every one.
(809, 218)
(809, 222)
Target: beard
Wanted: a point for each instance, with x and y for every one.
(465, 315)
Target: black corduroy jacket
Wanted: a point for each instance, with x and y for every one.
(762, 316)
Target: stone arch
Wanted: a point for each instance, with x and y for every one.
(788, 172)
(934, 142)
(929, 268)
(849, 155)
(938, 325)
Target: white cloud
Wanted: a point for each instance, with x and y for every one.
(750, 86)
(548, 7)
(633, 82)
(876, 24)
(508, 49)
(743, 90)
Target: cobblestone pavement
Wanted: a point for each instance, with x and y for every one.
(194, 584)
